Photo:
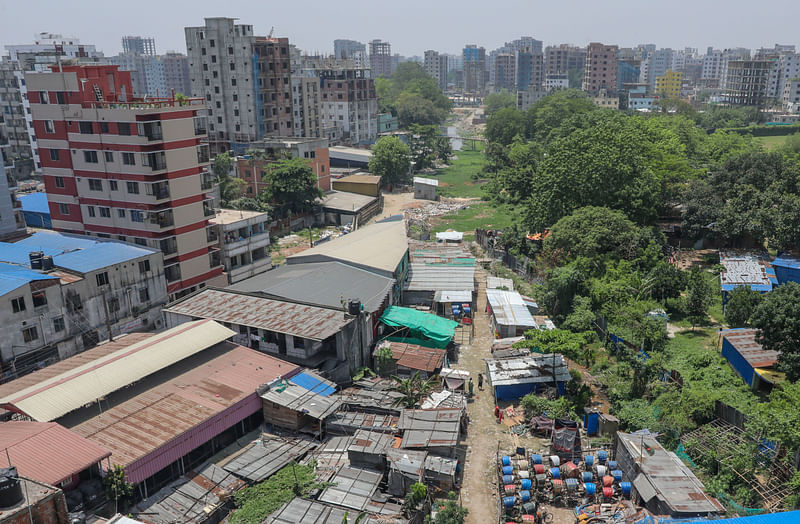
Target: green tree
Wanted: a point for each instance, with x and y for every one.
(503, 126)
(444, 150)
(255, 503)
(291, 186)
(391, 160)
(414, 390)
(560, 341)
(742, 303)
(449, 512)
(117, 487)
(699, 295)
(777, 319)
(515, 180)
(575, 77)
(423, 142)
(384, 361)
(230, 188)
(591, 232)
(494, 102)
(582, 318)
(413, 108)
(415, 496)
(779, 419)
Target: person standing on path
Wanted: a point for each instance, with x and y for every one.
(471, 387)
(480, 381)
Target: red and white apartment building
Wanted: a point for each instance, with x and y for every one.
(130, 169)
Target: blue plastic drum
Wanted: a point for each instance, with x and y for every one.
(536, 458)
(587, 476)
(508, 470)
(555, 472)
(612, 465)
(589, 460)
(617, 474)
(626, 488)
(506, 460)
(589, 488)
(526, 484)
(602, 456)
(508, 479)
(508, 502)
(525, 496)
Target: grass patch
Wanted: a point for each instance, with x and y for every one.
(457, 180)
(771, 142)
(483, 215)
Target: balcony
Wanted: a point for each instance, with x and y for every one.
(207, 181)
(168, 246)
(162, 219)
(200, 125)
(214, 258)
(156, 161)
(202, 154)
(208, 209)
(212, 236)
(159, 190)
(172, 273)
(151, 130)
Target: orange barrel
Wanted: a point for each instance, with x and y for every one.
(608, 492)
(608, 481)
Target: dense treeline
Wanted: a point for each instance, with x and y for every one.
(412, 96)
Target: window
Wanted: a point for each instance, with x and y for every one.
(39, 299)
(144, 266)
(233, 66)
(216, 89)
(102, 278)
(233, 81)
(104, 127)
(44, 97)
(124, 128)
(59, 181)
(205, 67)
(85, 128)
(58, 324)
(54, 154)
(105, 212)
(140, 241)
(144, 295)
(133, 188)
(213, 59)
(30, 334)
(211, 42)
(109, 156)
(128, 159)
(230, 50)
(95, 184)
(49, 127)
(91, 210)
(112, 185)
(120, 213)
(235, 98)
(215, 74)
(63, 209)
(137, 216)
(113, 304)
(18, 304)
(90, 157)
(61, 97)
(203, 51)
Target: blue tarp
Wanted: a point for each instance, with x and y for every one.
(786, 517)
(36, 210)
(312, 383)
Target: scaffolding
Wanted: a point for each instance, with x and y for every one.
(725, 440)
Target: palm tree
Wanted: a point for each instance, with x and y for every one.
(413, 390)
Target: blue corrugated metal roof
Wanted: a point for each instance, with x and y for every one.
(82, 254)
(36, 202)
(754, 287)
(312, 383)
(12, 277)
(785, 517)
(781, 261)
(99, 255)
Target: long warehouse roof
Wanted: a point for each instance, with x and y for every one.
(75, 388)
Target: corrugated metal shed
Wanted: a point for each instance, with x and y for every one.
(453, 296)
(46, 451)
(416, 357)
(527, 370)
(664, 475)
(83, 385)
(350, 421)
(300, 320)
(330, 456)
(408, 462)
(323, 283)
(381, 246)
(440, 277)
(509, 309)
(266, 456)
(352, 488)
(743, 270)
(423, 428)
(313, 512)
(313, 382)
(161, 418)
(342, 201)
(371, 443)
(35, 202)
(14, 277)
(302, 400)
(442, 465)
(426, 181)
(190, 499)
(497, 283)
(744, 342)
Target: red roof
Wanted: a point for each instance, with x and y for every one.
(417, 357)
(46, 451)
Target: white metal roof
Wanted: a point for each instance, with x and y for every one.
(526, 370)
(509, 308)
(453, 296)
(426, 181)
(497, 282)
(57, 396)
(440, 277)
(450, 235)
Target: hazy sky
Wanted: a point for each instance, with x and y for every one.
(412, 26)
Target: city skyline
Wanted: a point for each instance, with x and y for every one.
(446, 27)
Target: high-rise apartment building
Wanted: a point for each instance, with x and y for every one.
(601, 68)
(134, 170)
(474, 69)
(14, 114)
(50, 48)
(176, 73)
(350, 103)
(505, 67)
(563, 59)
(274, 86)
(307, 106)
(140, 45)
(669, 84)
(221, 56)
(12, 221)
(736, 53)
(529, 69)
(435, 65)
(656, 64)
(380, 58)
(746, 82)
(343, 48)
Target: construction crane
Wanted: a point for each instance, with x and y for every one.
(271, 30)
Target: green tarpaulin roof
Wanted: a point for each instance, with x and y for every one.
(436, 328)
